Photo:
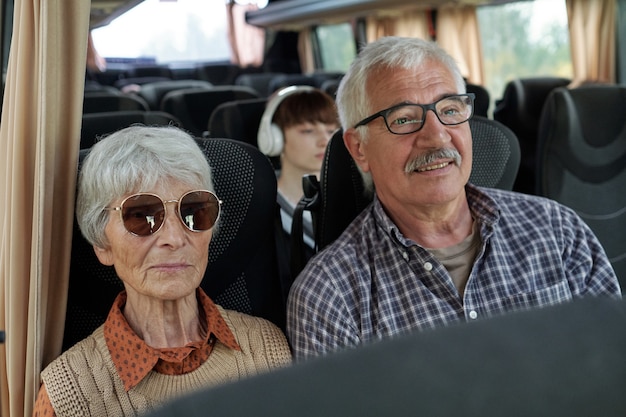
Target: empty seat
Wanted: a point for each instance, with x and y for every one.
(218, 74)
(108, 101)
(96, 125)
(520, 109)
(582, 161)
(482, 100)
(193, 107)
(258, 81)
(239, 119)
(154, 92)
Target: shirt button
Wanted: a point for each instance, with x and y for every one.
(405, 256)
(473, 315)
(428, 266)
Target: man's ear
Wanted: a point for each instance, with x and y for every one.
(105, 256)
(352, 140)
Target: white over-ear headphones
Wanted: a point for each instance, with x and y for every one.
(270, 137)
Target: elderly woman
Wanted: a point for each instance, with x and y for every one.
(146, 204)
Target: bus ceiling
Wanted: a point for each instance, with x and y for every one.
(104, 11)
(293, 14)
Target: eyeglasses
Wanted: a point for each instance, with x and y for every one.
(143, 214)
(403, 119)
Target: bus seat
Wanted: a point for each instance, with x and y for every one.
(107, 101)
(193, 107)
(315, 79)
(237, 119)
(243, 271)
(218, 74)
(123, 84)
(564, 360)
(260, 82)
(482, 100)
(148, 70)
(330, 87)
(520, 109)
(285, 80)
(340, 194)
(154, 92)
(96, 125)
(582, 161)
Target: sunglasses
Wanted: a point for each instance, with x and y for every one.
(143, 214)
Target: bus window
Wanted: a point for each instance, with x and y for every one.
(336, 46)
(524, 39)
(167, 32)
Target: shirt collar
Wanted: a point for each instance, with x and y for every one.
(484, 209)
(134, 359)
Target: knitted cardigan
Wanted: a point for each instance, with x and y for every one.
(84, 382)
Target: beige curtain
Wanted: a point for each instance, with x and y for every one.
(305, 52)
(247, 42)
(592, 39)
(458, 33)
(39, 139)
(412, 24)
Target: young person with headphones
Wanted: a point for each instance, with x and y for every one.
(297, 124)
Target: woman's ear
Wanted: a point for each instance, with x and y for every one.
(105, 256)
(354, 144)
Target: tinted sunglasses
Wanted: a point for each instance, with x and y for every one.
(143, 214)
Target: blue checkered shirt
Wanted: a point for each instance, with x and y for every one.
(372, 282)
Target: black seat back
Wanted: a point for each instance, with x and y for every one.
(242, 273)
(239, 119)
(96, 125)
(193, 107)
(107, 101)
(520, 110)
(154, 92)
(582, 161)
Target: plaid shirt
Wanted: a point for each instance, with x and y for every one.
(372, 282)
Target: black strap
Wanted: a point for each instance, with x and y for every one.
(310, 202)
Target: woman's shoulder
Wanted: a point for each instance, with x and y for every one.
(256, 333)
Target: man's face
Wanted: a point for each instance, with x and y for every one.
(386, 155)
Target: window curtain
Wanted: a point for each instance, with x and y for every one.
(592, 39)
(458, 34)
(39, 139)
(412, 24)
(247, 42)
(305, 52)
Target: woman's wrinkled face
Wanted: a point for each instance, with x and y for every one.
(167, 265)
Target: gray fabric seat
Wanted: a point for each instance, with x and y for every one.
(582, 161)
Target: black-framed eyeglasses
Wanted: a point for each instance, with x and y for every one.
(403, 119)
(143, 214)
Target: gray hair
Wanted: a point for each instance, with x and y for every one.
(353, 101)
(131, 160)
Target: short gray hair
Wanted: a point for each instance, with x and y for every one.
(131, 160)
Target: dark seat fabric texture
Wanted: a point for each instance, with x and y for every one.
(565, 360)
(520, 109)
(154, 92)
(239, 119)
(340, 194)
(96, 125)
(243, 271)
(106, 101)
(582, 161)
(193, 107)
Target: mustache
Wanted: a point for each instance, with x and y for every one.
(432, 156)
